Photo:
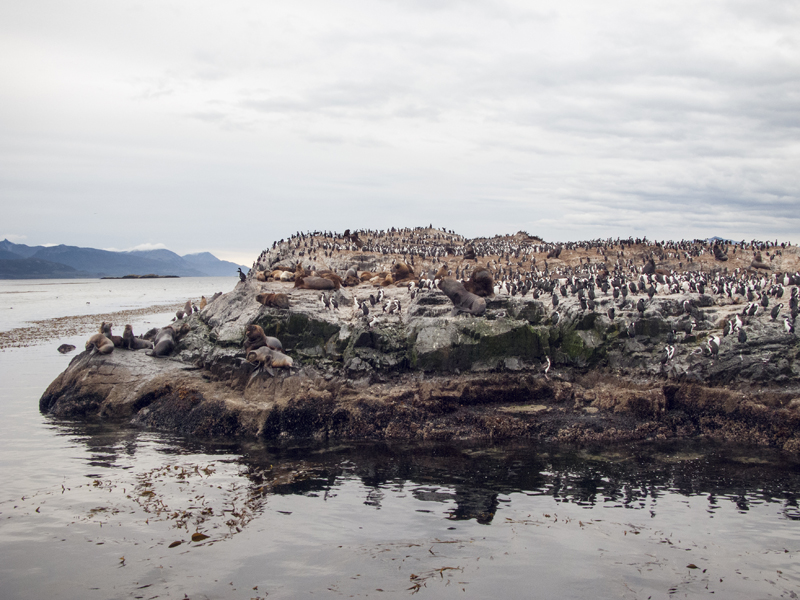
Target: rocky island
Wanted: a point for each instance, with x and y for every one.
(587, 342)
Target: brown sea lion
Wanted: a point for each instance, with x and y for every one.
(131, 342)
(100, 343)
(463, 301)
(274, 300)
(261, 275)
(167, 338)
(388, 281)
(441, 273)
(314, 283)
(401, 270)
(286, 276)
(480, 283)
(366, 276)
(105, 329)
(332, 276)
(254, 338)
(65, 348)
(266, 358)
(187, 308)
(203, 302)
(351, 281)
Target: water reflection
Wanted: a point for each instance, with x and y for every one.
(469, 482)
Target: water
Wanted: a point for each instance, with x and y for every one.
(90, 510)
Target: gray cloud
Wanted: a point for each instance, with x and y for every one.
(570, 119)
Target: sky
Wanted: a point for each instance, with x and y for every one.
(223, 126)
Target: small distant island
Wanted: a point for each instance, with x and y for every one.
(18, 261)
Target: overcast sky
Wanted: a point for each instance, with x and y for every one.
(223, 126)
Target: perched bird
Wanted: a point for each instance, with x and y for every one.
(554, 318)
(669, 352)
(742, 336)
(555, 301)
(788, 325)
(631, 329)
(546, 367)
(334, 304)
(713, 345)
(640, 306)
(776, 310)
(242, 276)
(611, 313)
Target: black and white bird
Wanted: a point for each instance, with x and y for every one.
(742, 336)
(611, 313)
(788, 325)
(631, 329)
(326, 303)
(640, 306)
(669, 352)
(776, 311)
(334, 304)
(555, 317)
(546, 367)
(242, 276)
(713, 345)
(364, 308)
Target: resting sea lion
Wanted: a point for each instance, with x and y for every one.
(100, 343)
(286, 276)
(203, 302)
(131, 342)
(261, 276)
(480, 283)
(366, 276)
(167, 338)
(265, 358)
(314, 283)
(275, 300)
(105, 329)
(401, 270)
(66, 348)
(463, 301)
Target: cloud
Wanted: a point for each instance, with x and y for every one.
(148, 246)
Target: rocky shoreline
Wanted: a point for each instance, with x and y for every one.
(516, 372)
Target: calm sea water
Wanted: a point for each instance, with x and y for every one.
(98, 510)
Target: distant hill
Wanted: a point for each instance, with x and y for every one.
(208, 263)
(18, 261)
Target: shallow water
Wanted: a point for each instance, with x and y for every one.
(90, 510)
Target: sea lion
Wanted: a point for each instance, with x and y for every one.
(203, 302)
(65, 348)
(286, 276)
(480, 283)
(351, 281)
(105, 329)
(266, 358)
(100, 343)
(167, 338)
(261, 275)
(314, 283)
(366, 276)
(274, 300)
(441, 273)
(401, 270)
(131, 342)
(187, 308)
(332, 276)
(463, 301)
(254, 338)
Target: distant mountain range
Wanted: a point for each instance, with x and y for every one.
(18, 261)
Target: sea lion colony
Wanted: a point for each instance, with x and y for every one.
(609, 275)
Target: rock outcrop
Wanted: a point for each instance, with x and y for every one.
(591, 375)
